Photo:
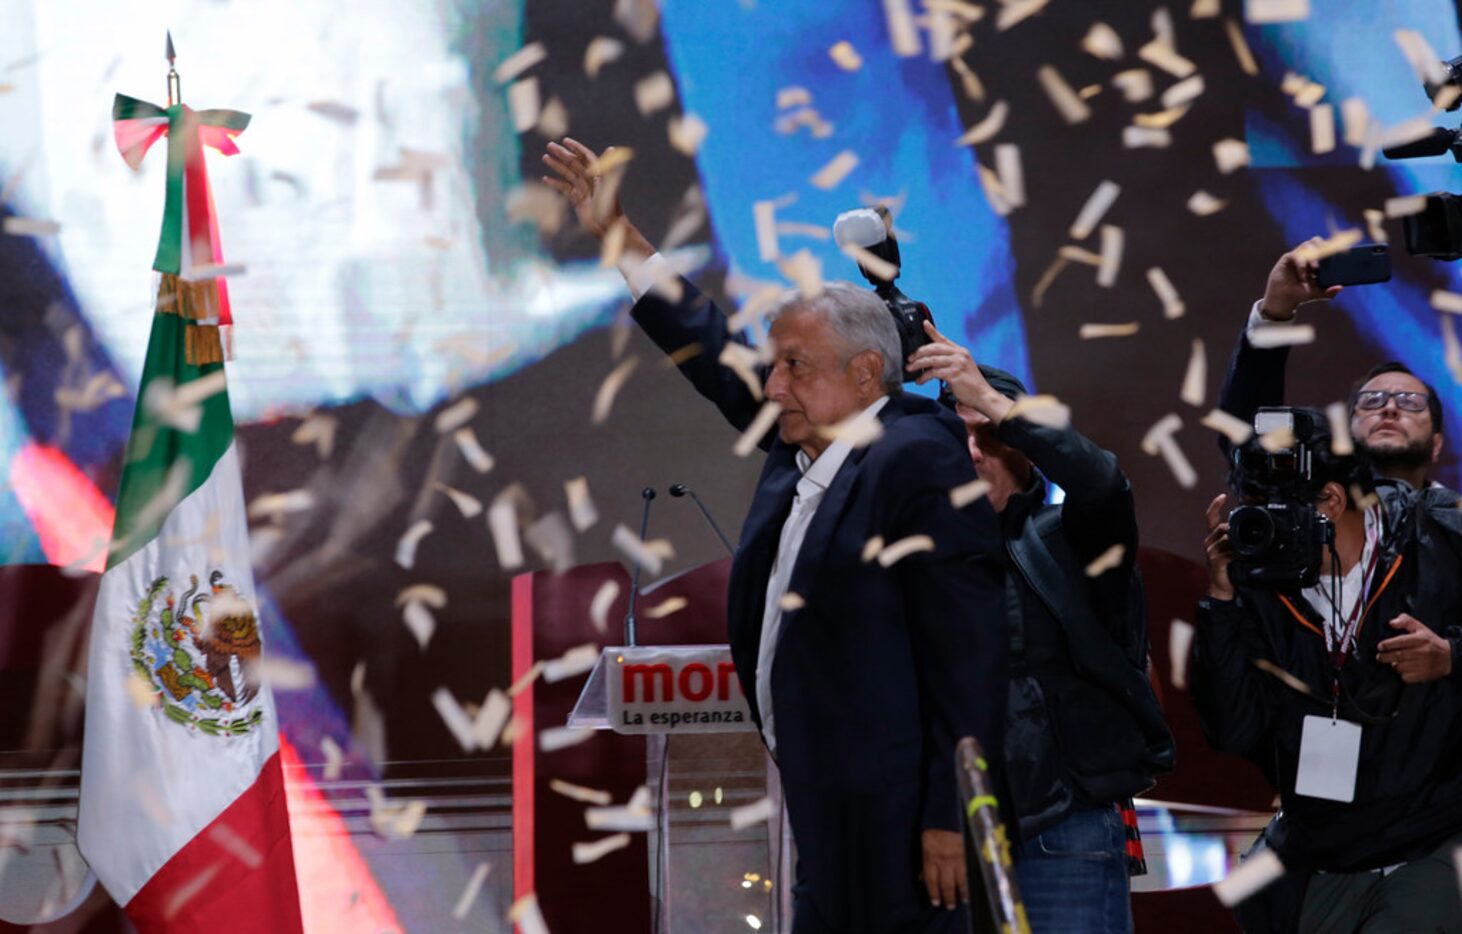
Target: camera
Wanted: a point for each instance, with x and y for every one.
(1278, 534)
(871, 229)
(1436, 230)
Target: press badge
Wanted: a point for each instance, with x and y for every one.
(1329, 758)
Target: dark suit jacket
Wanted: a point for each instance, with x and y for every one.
(884, 669)
(1255, 379)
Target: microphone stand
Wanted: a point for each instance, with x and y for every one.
(634, 588)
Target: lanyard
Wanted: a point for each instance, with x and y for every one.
(1340, 650)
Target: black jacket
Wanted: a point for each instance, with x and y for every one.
(1408, 796)
(882, 670)
(1083, 727)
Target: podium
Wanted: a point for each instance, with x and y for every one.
(668, 761)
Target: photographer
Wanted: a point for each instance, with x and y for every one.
(1084, 732)
(1395, 418)
(1337, 672)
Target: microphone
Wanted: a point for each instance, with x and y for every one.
(1438, 142)
(634, 588)
(679, 490)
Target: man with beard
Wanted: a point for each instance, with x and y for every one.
(1395, 418)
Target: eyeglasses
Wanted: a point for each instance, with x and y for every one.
(1406, 401)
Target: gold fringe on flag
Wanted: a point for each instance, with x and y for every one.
(193, 301)
(204, 344)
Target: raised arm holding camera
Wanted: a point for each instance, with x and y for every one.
(1327, 652)
(1084, 731)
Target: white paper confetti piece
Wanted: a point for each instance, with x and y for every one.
(281, 674)
(580, 793)
(140, 691)
(845, 56)
(1096, 331)
(467, 504)
(1172, 303)
(1375, 225)
(1071, 107)
(872, 547)
(1041, 409)
(1235, 429)
(1407, 131)
(1162, 56)
(1322, 129)
(1423, 59)
(856, 431)
(420, 621)
(455, 718)
(552, 538)
(1287, 335)
(793, 96)
(1252, 875)
(469, 893)
(1096, 206)
(1164, 428)
(600, 605)
(966, 493)
(1230, 155)
(903, 32)
(1141, 137)
(572, 663)
(523, 104)
(1160, 440)
(1338, 415)
(31, 227)
(519, 62)
(1134, 83)
(472, 452)
(638, 552)
(526, 914)
(831, 175)
(1183, 93)
(687, 132)
(1012, 175)
(456, 415)
(666, 607)
(1015, 11)
(598, 849)
(790, 602)
(1404, 206)
(407, 544)
(803, 270)
(1106, 561)
(987, 128)
(1450, 302)
(877, 265)
(897, 551)
(561, 737)
(749, 815)
(654, 93)
(764, 214)
(1180, 646)
(1103, 42)
(1204, 9)
(751, 437)
(1113, 240)
(1240, 45)
(318, 430)
(1195, 380)
(502, 522)
(1451, 348)
(601, 51)
(582, 513)
(488, 725)
(1203, 204)
(604, 398)
(334, 759)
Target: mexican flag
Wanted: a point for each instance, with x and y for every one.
(183, 815)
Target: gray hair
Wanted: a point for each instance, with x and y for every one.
(861, 320)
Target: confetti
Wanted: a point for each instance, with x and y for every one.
(1256, 872)
(456, 415)
(540, 204)
(791, 602)
(1072, 108)
(604, 398)
(598, 849)
(1012, 175)
(1451, 348)
(561, 737)
(1356, 116)
(1134, 83)
(1159, 440)
(793, 96)
(637, 551)
(318, 430)
(941, 34)
(1102, 41)
(968, 80)
(1235, 429)
(987, 128)
(1195, 380)
(1043, 409)
(1162, 56)
(523, 104)
(1204, 9)
(1015, 11)
(639, 18)
(632, 817)
(856, 431)
(600, 605)
(229, 839)
(526, 914)
(284, 674)
(601, 51)
(743, 361)
(488, 725)
(1106, 561)
(574, 662)
(1424, 61)
(502, 522)
(140, 691)
(1240, 45)
(687, 132)
(406, 546)
(1402, 207)
(31, 227)
(1160, 120)
(749, 815)
(419, 620)
(966, 493)
(553, 120)
(1096, 331)
(1112, 243)
(467, 504)
(897, 551)
(872, 547)
(1450, 302)
(1230, 154)
(654, 93)
(1322, 129)
(455, 718)
(472, 451)
(582, 513)
(1287, 335)
(1203, 204)
(764, 213)
(1375, 225)
(552, 538)
(994, 192)
(469, 894)
(845, 56)
(580, 793)
(903, 33)
(758, 429)
(520, 61)
(1141, 137)
(1096, 206)
(1406, 131)
(184, 893)
(831, 175)
(334, 759)
(1162, 27)
(666, 607)
(1339, 418)
(1183, 93)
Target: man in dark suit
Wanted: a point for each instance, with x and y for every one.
(865, 613)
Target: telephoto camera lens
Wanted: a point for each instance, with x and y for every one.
(1251, 531)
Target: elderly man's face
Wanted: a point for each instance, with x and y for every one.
(813, 382)
(1392, 435)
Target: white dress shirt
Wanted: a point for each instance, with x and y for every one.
(817, 476)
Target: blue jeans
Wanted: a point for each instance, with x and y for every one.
(1073, 878)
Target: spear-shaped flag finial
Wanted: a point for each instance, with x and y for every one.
(175, 84)
(171, 53)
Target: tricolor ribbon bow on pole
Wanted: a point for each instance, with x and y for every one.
(189, 251)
